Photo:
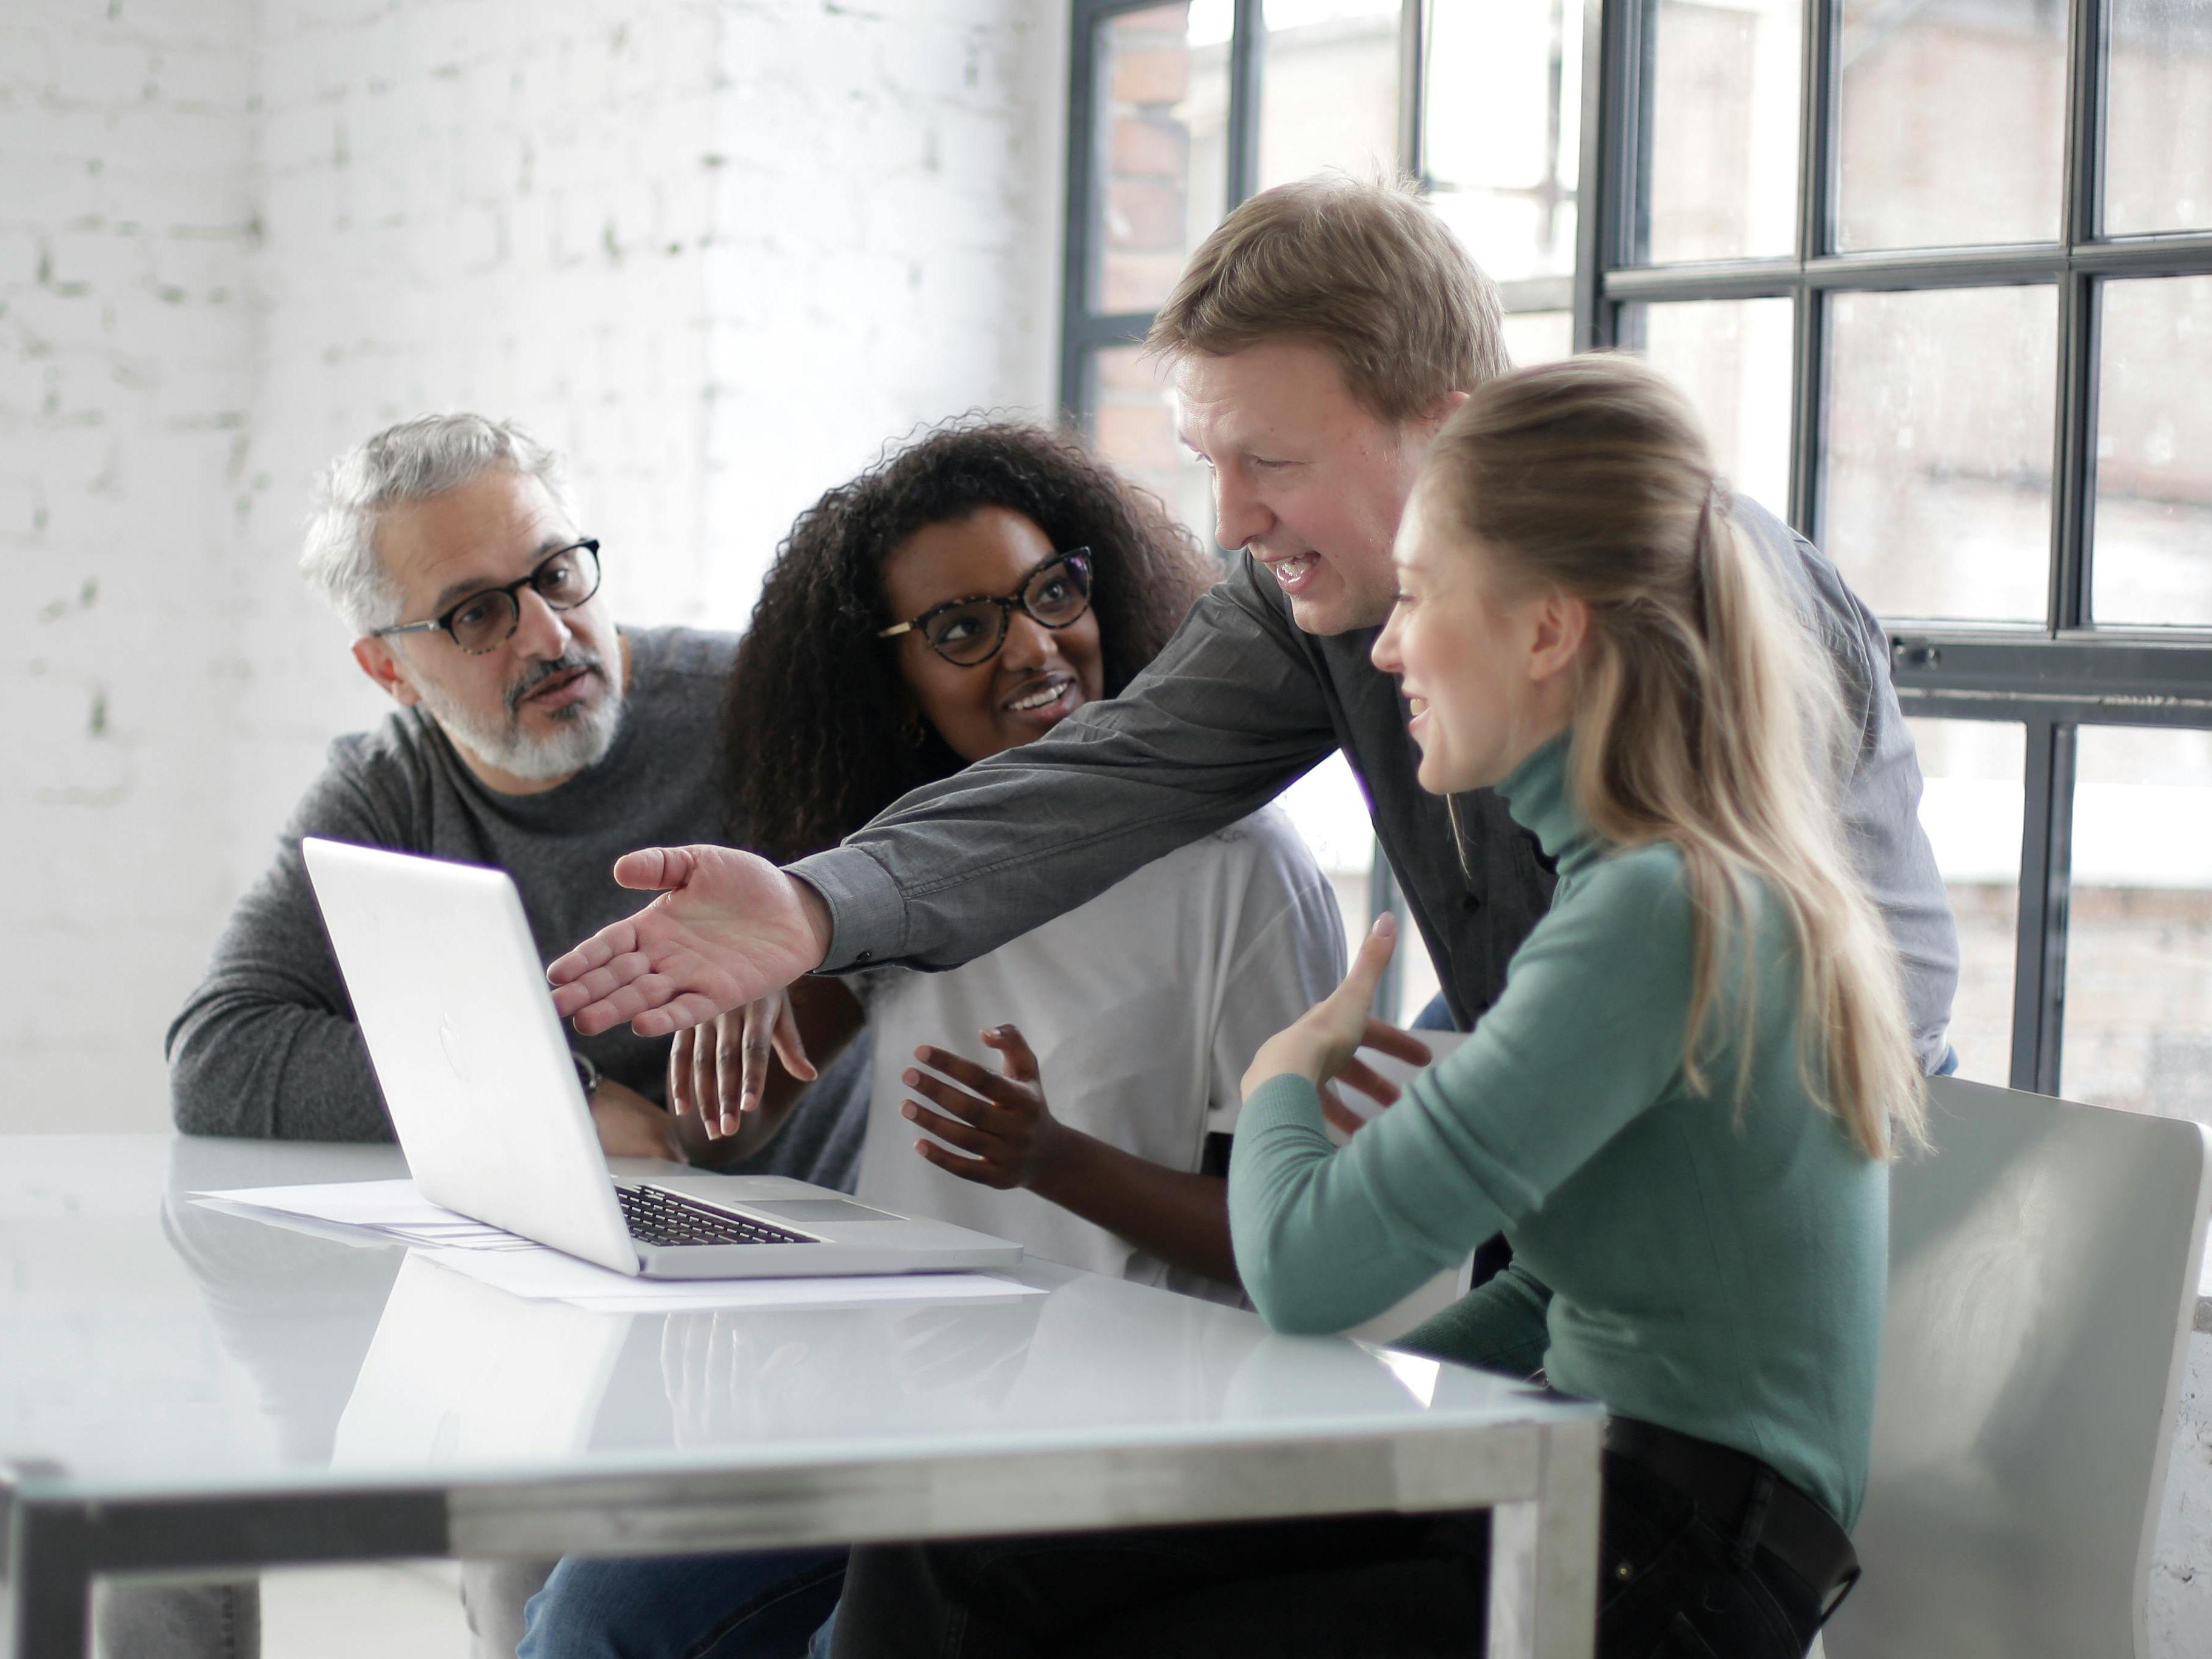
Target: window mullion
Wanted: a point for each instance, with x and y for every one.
(1246, 60)
(1611, 63)
(1078, 251)
(2073, 464)
(2045, 880)
(1817, 114)
(2074, 461)
(1413, 90)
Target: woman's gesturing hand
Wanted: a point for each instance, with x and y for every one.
(1323, 1044)
(999, 1119)
(728, 928)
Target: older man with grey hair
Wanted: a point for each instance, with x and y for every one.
(531, 733)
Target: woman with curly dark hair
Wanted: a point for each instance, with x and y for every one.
(822, 727)
(959, 600)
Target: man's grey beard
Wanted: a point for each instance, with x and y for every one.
(585, 734)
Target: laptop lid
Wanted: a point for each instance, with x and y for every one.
(453, 1003)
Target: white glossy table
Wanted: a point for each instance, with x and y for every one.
(183, 1391)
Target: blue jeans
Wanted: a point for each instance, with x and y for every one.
(763, 1605)
(1434, 1017)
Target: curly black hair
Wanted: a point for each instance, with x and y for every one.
(817, 723)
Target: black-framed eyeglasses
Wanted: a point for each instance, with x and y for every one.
(970, 631)
(564, 579)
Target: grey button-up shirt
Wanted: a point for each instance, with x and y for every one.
(1242, 703)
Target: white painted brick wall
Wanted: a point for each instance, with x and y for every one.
(127, 352)
(717, 252)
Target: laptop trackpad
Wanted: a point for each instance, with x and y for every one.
(819, 1211)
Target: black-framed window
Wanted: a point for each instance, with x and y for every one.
(1939, 279)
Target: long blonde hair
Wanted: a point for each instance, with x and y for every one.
(1706, 714)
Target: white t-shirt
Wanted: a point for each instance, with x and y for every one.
(1143, 1006)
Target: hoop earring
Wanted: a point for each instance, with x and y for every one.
(913, 730)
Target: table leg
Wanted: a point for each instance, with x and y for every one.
(1563, 1597)
(49, 1589)
(1512, 1628)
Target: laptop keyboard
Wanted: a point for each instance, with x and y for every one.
(658, 1218)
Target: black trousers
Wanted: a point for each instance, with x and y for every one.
(1673, 1583)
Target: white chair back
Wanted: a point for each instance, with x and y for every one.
(2044, 1271)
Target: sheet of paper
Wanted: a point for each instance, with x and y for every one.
(364, 1203)
(543, 1274)
(394, 1208)
(845, 1292)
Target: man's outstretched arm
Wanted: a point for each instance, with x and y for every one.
(1230, 714)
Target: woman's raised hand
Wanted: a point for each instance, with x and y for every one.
(728, 928)
(1323, 1044)
(999, 1119)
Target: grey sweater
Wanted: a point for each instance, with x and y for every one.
(1241, 702)
(267, 1046)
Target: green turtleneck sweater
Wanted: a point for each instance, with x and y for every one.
(1715, 1269)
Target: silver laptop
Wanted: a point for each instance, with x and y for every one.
(476, 1070)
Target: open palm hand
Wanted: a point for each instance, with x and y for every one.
(728, 928)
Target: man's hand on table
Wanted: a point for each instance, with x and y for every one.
(728, 929)
(630, 1125)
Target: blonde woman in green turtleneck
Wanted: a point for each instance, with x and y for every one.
(1680, 1109)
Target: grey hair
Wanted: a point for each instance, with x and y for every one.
(409, 462)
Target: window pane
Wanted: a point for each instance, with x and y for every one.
(1938, 465)
(2158, 122)
(1329, 90)
(1976, 776)
(2138, 1012)
(2153, 558)
(1723, 161)
(1136, 432)
(1502, 130)
(1732, 358)
(1163, 158)
(1538, 336)
(1953, 122)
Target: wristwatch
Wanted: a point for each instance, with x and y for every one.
(588, 1074)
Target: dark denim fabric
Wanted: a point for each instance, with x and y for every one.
(1674, 1584)
(763, 1605)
